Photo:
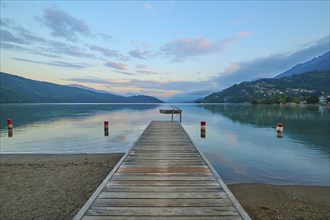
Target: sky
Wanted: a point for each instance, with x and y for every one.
(172, 50)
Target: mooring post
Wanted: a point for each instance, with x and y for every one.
(106, 128)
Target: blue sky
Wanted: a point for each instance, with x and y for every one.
(183, 49)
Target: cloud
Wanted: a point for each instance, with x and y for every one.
(143, 69)
(141, 54)
(92, 80)
(4, 22)
(147, 6)
(38, 45)
(236, 72)
(64, 25)
(6, 36)
(269, 66)
(56, 63)
(139, 66)
(148, 72)
(188, 47)
(22, 34)
(9, 46)
(110, 53)
(118, 66)
(105, 37)
(57, 47)
(124, 72)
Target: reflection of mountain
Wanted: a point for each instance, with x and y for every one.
(300, 122)
(24, 114)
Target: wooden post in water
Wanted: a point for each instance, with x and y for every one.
(280, 129)
(10, 127)
(203, 129)
(106, 128)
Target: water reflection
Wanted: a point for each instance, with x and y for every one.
(26, 114)
(241, 141)
(76, 128)
(304, 123)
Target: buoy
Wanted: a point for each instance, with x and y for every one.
(279, 127)
(106, 128)
(10, 123)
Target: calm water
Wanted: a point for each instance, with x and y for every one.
(241, 141)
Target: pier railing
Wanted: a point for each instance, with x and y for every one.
(173, 111)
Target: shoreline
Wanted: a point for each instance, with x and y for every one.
(56, 186)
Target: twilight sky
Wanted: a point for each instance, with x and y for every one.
(160, 48)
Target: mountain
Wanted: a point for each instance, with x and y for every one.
(294, 88)
(190, 97)
(320, 63)
(15, 89)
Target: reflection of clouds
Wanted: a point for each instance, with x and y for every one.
(231, 138)
(216, 157)
(120, 138)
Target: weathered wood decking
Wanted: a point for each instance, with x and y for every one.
(163, 176)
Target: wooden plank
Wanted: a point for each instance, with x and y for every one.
(165, 154)
(164, 151)
(165, 182)
(187, 217)
(162, 211)
(162, 170)
(163, 195)
(164, 166)
(158, 178)
(130, 188)
(166, 174)
(167, 162)
(161, 202)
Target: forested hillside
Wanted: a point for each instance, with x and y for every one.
(294, 88)
(15, 89)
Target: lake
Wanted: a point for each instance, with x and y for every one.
(240, 142)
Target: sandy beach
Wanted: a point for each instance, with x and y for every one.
(57, 186)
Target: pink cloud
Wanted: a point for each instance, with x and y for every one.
(180, 49)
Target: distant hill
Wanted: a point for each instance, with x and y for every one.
(320, 63)
(294, 88)
(189, 97)
(15, 89)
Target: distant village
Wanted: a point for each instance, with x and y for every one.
(265, 90)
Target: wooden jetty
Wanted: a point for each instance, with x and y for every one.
(162, 176)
